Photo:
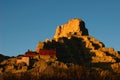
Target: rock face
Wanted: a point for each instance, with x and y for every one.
(73, 26)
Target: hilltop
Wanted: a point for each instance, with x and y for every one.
(72, 53)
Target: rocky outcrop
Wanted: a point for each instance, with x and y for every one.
(72, 27)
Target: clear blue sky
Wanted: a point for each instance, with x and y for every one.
(23, 23)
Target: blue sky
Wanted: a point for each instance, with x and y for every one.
(23, 23)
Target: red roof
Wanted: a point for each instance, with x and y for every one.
(30, 53)
(47, 52)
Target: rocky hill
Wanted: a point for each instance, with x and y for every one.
(74, 45)
(79, 57)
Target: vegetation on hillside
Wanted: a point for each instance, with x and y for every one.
(74, 72)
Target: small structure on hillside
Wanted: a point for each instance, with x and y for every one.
(26, 57)
(47, 54)
(23, 59)
(30, 53)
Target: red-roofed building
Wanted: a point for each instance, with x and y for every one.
(47, 54)
(23, 59)
(30, 53)
(26, 57)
